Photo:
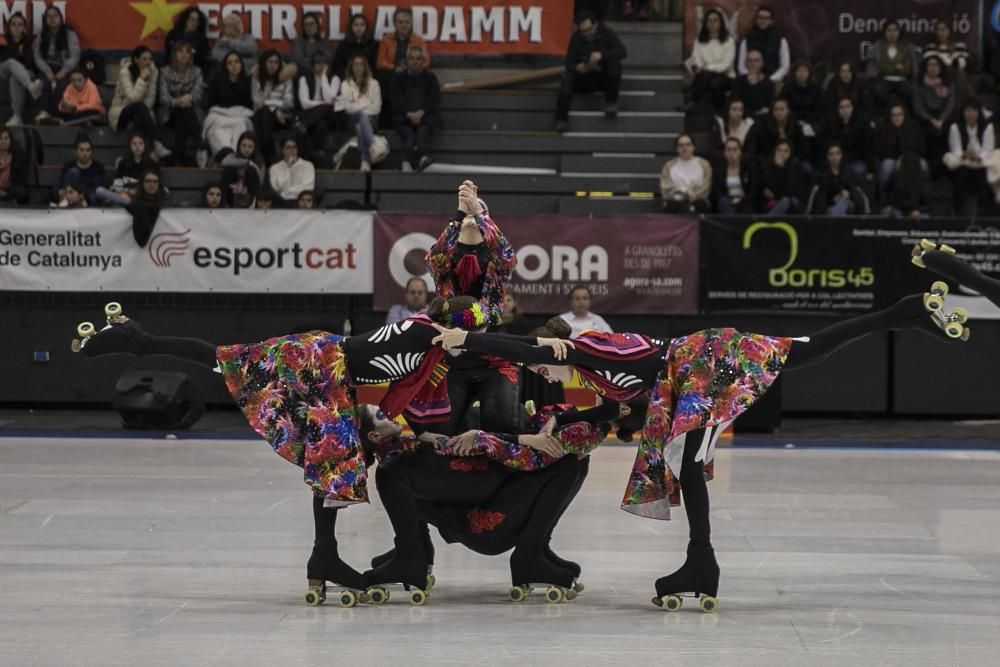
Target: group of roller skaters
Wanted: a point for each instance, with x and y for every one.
(500, 481)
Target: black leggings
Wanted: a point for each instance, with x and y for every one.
(498, 400)
(694, 489)
(190, 349)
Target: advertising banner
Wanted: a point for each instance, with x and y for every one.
(844, 30)
(632, 264)
(449, 26)
(190, 250)
(827, 265)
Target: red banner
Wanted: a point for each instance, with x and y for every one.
(843, 30)
(651, 269)
(449, 26)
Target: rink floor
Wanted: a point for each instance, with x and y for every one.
(118, 551)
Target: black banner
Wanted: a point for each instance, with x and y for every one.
(827, 265)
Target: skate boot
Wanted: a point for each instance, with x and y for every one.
(410, 572)
(527, 572)
(326, 566)
(911, 312)
(927, 249)
(425, 537)
(943, 261)
(558, 561)
(698, 577)
(120, 335)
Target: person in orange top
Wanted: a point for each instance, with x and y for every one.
(392, 55)
(81, 100)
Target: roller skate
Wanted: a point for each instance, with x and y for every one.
(927, 246)
(559, 581)
(953, 323)
(121, 334)
(412, 574)
(698, 577)
(558, 561)
(425, 537)
(326, 566)
(943, 261)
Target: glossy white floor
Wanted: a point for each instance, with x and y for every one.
(139, 552)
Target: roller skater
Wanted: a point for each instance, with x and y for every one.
(296, 393)
(701, 381)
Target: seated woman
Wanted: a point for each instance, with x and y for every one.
(782, 188)
(734, 185)
(933, 104)
(848, 129)
(970, 155)
(243, 173)
(905, 193)
(686, 181)
(230, 106)
(13, 172)
(836, 191)
(81, 101)
(733, 125)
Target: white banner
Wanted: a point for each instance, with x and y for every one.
(190, 250)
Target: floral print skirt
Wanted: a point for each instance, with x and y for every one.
(294, 393)
(709, 378)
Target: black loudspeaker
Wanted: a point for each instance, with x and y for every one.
(157, 400)
(764, 416)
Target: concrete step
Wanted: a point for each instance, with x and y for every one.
(580, 121)
(613, 163)
(609, 205)
(517, 100)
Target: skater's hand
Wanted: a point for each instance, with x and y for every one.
(546, 444)
(558, 345)
(433, 438)
(465, 443)
(450, 339)
(549, 427)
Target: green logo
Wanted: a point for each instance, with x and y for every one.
(786, 276)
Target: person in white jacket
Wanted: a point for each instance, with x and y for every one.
(135, 97)
(971, 159)
(317, 95)
(711, 63)
(361, 99)
(292, 174)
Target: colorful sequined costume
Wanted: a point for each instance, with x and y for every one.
(701, 380)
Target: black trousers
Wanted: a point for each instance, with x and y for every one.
(607, 79)
(712, 84)
(186, 126)
(498, 401)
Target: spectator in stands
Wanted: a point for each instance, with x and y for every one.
(358, 41)
(896, 135)
(954, 54)
(243, 173)
(852, 134)
(318, 90)
(230, 106)
(512, 320)
(81, 101)
(415, 95)
(686, 181)
(754, 88)
(593, 62)
(836, 191)
(415, 301)
(933, 104)
(306, 200)
(13, 172)
(74, 195)
(309, 42)
(135, 95)
(711, 63)
(734, 125)
(892, 67)
(17, 64)
(904, 194)
(57, 54)
(805, 99)
(845, 83)
(265, 199)
(361, 100)
(181, 90)
(191, 27)
(394, 49)
(764, 38)
(273, 103)
(635, 10)
(971, 142)
(292, 174)
(131, 166)
(151, 194)
(233, 40)
(734, 182)
(780, 125)
(579, 317)
(782, 185)
(83, 169)
(211, 197)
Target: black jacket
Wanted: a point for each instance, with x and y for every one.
(826, 186)
(783, 182)
(891, 141)
(21, 52)
(748, 178)
(854, 138)
(406, 88)
(605, 41)
(348, 49)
